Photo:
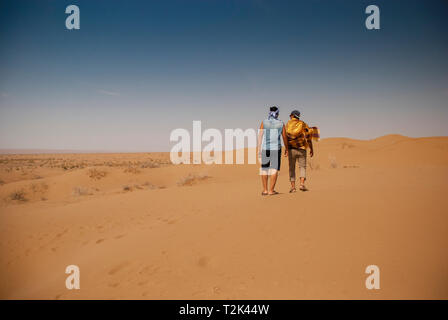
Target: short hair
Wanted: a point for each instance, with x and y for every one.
(273, 109)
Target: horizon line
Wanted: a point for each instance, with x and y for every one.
(18, 151)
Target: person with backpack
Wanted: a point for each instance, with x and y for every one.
(299, 139)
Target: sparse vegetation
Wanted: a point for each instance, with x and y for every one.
(131, 188)
(149, 164)
(127, 188)
(192, 179)
(314, 166)
(346, 145)
(132, 170)
(150, 186)
(27, 164)
(351, 166)
(333, 162)
(39, 187)
(97, 174)
(81, 191)
(18, 195)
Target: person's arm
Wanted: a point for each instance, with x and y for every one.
(310, 143)
(309, 140)
(285, 140)
(260, 139)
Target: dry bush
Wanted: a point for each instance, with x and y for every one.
(97, 174)
(192, 179)
(39, 187)
(149, 164)
(345, 145)
(132, 170)
(81, 191)
(127, 188)
(351, 166)
(150, 186)
(315, 166)
(333, 162)
(18, 195)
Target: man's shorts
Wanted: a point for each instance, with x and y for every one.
(270, 161)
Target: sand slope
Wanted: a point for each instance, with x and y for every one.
(141, 228)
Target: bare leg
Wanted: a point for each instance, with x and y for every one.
(302, 184)
(273, 181)
(264, 180)
(293, 185)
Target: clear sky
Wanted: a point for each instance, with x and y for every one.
(136, 70)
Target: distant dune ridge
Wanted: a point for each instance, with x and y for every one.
(141, 228)
(46, 151)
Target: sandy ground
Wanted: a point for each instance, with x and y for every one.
(141, 228)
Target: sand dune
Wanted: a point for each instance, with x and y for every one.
(141, 228)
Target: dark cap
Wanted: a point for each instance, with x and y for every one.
(295, 113)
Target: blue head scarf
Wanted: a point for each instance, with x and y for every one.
(273, 114)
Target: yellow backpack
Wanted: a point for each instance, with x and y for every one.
(297, 133)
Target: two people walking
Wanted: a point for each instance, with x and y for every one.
(297, 138)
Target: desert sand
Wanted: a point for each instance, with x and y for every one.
(139, 227)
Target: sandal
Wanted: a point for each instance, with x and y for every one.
(303, 188)
(264, 193)
(292, 190)
(273, 193)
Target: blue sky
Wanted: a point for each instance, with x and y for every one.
(136, 70)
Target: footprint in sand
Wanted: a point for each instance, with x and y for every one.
(119, 236)
(203, 261)
(142, 283)
(148, 270)
(114, 284)
(117, 268)
(99, 240)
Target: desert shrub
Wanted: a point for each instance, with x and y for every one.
(350, 166)
(345, 145)
(315, 166)
(81, 191)
(132, 187)
(149, 164)
(97, 174)
(192, 179)
(150, 186)
(132, 170)
(333, 162)
(18, 195)
(127, 188)
(39, 187)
